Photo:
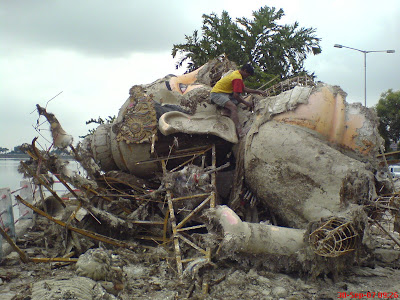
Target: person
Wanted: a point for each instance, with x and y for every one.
(226, 94)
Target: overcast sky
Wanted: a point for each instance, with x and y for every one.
(93, 51)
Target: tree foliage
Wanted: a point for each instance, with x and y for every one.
(388, 110)
(16, 150)
(3, 150)
(272, 48)
(99, 121)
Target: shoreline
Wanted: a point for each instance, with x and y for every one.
(14, 155)
(26, 156)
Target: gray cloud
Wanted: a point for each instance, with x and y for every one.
(103, 27)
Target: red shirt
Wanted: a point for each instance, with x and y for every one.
(238, 85)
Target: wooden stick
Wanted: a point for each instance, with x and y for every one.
(22, 254)
(84, 232)
(171, 157)
(387, 167)
(193, 212)
(189, 242)
(53, 259)
(190, 197)
(388, 234)
(178, 255)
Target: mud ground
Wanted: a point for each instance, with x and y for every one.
(149, 273)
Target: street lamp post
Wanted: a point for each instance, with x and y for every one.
(365, 65)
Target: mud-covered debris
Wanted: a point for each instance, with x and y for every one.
(79, 288)
(99, 264)
(308, 164)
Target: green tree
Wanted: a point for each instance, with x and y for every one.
(17, 150)
(60, 151)
(2, 150)
(388, 110)
(272, 48)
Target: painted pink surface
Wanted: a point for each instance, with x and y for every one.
(230, 218)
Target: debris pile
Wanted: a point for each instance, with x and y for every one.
(172, 198)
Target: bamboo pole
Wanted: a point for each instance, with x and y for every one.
(193, 212)
(387, 166)
(197, 153)
(139, 222)
(190, 197)
(189, 242)
(53, 259)
(178, 254)
(177, 248)
(21, 253)
(213, 177)
(387, 233)
(191, 228)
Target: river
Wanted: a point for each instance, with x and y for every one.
(11, 178)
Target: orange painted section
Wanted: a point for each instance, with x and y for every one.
(187, 79)
(325, 113)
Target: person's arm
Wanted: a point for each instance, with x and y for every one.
(247, 90)
(241, 100)
(238, 88)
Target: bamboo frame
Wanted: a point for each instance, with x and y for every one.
(179, 229)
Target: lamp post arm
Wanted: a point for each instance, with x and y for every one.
(379, 51)
(356, 49)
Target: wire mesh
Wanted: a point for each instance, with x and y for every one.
(333, 238)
